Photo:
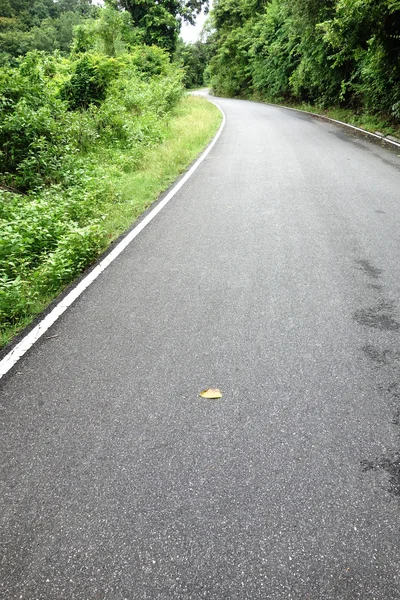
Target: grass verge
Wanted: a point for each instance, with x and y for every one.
(134, 189)
(129, 187)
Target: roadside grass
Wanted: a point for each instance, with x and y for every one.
(193, 124)
(128, 186)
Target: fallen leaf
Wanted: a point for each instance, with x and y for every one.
(211, 394)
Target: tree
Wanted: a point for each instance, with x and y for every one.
(194, 59)
(327, 52)
(365, 36)
(40, 24)
(112, 33)
(160, 21)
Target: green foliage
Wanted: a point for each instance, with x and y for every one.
(40, 25)
(328, 52)
(365, 37)
(49, 25)
(33, 141)
(115, 30)
(230, 67)
(194, 59)
(89, 82)
(160, 22)
(74, 251)
(113, 34)
(56, 115)
(150, 61)
(274, 52)
(46, 240)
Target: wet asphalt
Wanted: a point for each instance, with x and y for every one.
(274, 275)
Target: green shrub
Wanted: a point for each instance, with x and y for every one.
(57, 116)
(33, 143)
(16, 299)
(230, 67)
(89, 82)
(274, 52)
(150, 61)
(75, 251)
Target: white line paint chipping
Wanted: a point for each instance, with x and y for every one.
(32, 337)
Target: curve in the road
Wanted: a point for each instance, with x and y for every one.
(274, 277)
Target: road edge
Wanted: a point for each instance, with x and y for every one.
(26, 343)
(376, 136)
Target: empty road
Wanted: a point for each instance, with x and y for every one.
(274, 275)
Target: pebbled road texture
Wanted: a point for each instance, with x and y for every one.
(274, 275)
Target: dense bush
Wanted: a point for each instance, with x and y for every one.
(46, 240)
(328, 52)
(89, 81)
(194, 59)
(56, 117)
(33, 141)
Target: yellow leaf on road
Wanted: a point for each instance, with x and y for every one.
(211, 394)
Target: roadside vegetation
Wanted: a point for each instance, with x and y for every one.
(88, 140)
(194, 59)
(94, 122)
(338, 56)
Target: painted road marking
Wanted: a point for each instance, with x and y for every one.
(32, 337)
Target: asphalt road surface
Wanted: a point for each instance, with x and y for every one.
(274, 275)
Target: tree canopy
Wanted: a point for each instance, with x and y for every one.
(49, 25)
(40, 24)
(161, 21)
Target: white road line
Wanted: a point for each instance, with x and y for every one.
(32, 337)
(329, 119)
